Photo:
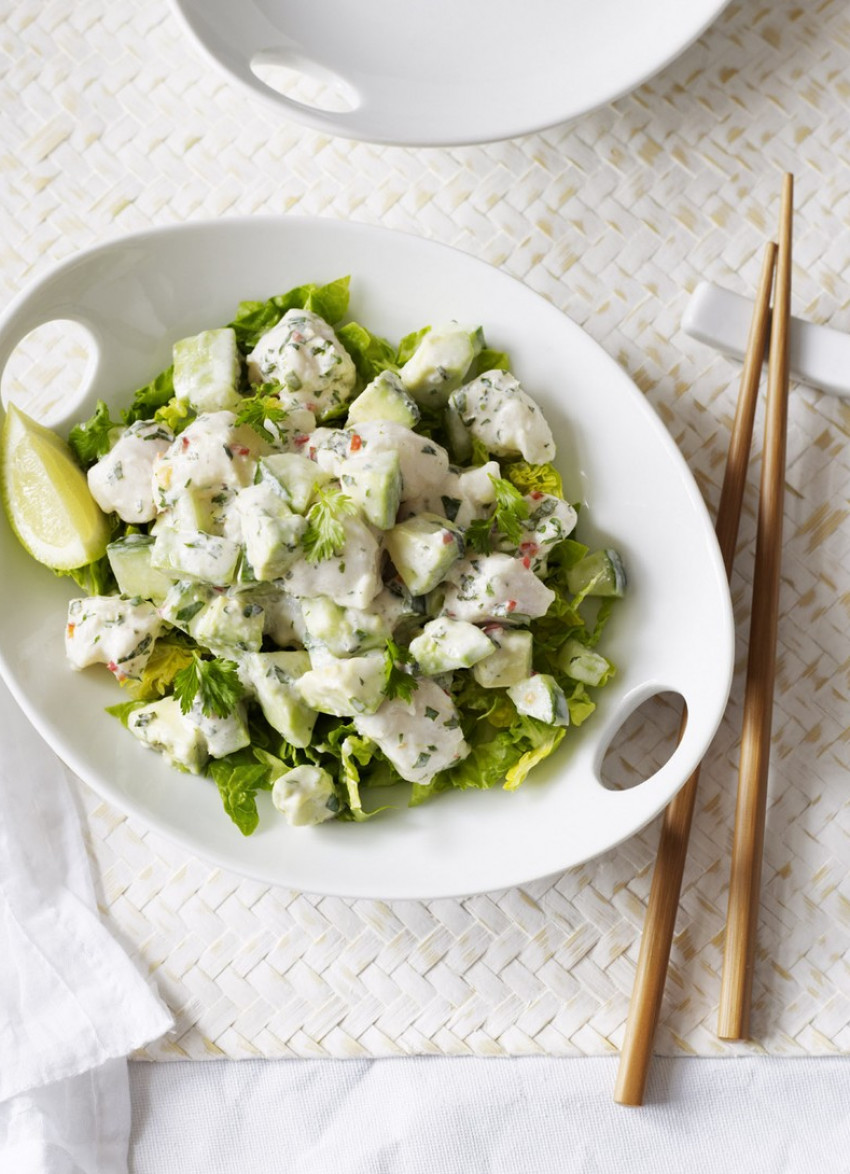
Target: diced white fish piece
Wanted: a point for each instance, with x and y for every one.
(120, 482)
(420, 737)
(492, 587)
(111, 630)
(504, 418)
(211, 455)
(304, 355)
(351, 578)
(424, 463)
(462, 497)
(550, 520)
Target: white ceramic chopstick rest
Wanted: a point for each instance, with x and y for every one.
(817, 355)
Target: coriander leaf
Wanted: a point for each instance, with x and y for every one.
(325, 533)
(479, 535)
(511, 509)
(260, 410)
(90, 440)
(216, 682)
(397, 681)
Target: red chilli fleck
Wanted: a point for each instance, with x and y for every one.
(356, 443)
(511, 605)
(70, 629)
(185, 442)
(241, 450)
(448, 538)
(302, 439)
(526, 562)
(535, 495)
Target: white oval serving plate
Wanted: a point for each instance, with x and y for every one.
(674, 630)
(442, 72)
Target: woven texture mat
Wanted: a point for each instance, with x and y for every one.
(112, 122)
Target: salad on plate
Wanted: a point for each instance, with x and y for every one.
(330, 564)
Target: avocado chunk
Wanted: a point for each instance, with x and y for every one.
(511, 661)
(423, 549)
(374, 485)
(439, 364)
(305, 796)
(343, 630)
(192, 554)
(385, 398)
(447, 644)
(273, 677)
(541, 696)
(583, 664)
(229, 624)
(345, 688)
(164, 727)
(298, 477)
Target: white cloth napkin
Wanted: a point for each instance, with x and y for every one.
(72, 1004)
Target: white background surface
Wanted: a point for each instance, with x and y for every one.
(438, 1116)
(112, 124)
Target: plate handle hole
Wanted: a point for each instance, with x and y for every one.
(304, 82)
(49, 372)
(644, 742)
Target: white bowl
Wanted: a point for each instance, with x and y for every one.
(442, 72)
(673, 631)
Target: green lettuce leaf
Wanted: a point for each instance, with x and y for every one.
(530, 478)
(487, 360)
(371, 353)
(254, 319)
(409, 343)
(90, 440)
(239, 776)
(148, 399)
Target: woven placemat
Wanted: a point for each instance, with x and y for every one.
(112, 122)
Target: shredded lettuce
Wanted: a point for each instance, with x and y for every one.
(239, 776)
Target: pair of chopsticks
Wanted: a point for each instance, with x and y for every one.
(748, 842)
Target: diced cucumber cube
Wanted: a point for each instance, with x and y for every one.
(374, 485)
(447, 644)
(206, 370)
(440, 362)
(510, 663)
(540, 696)
(230, 623)
(298, 477)
(385, 398)
(343, 630)
(130, 559)
(273, 677)
(600, 573)
(583, 664)
(305, 796)
(423, 549)
(345, 688)
(162, 726)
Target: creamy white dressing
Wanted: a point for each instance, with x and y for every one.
(120, 482)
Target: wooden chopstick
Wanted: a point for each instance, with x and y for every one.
(748, 842)
(654, 956)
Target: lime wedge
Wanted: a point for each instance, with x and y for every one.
(46, 496)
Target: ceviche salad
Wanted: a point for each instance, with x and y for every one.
(319, 563)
